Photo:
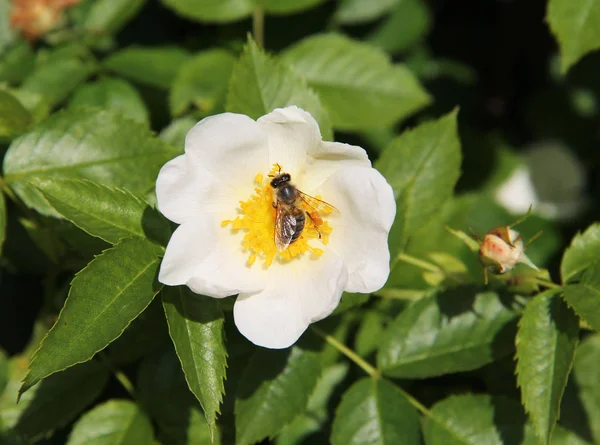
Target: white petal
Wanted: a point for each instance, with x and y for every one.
(291, 132)
(231, 146)
(326, 159)
(184, 190)
(360, 231)
(209, 259)
(296, 295)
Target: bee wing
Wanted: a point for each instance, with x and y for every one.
(285, 227)
(316, 204)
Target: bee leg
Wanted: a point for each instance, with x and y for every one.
(316, 226)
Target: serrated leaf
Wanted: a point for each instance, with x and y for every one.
(453, 331)
(116, 422)
(546, 342)
(196, 329)
(14, 118)
(108, 213)
(272, 391)
(56, 79)
(52, 403)
(87, 144)
(219, 11)
(583, 251)
(584, 297)
(165, 396)
(202, 83)
(359, 11)
(575, 26)
(586, 374)
(109, 16)
(98, 309)
(160, 64)
(375, 412)
(422, 165)
(260, 83)
(475, 420)
(356, 82)
(114, 94)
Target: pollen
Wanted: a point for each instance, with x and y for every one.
(256, 219)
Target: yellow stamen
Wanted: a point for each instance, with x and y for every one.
(257, 220)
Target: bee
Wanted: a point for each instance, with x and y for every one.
(292, 207)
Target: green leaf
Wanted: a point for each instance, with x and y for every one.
(105, 212)
(453, 331)
(422, 165)
(260, 83)
(14, 118)
(113, 94)
(408, 24)
(375, 412)
(6, 32)
(586, 374)
(16, 62)
(575, 26)
(287, 6)
(546, 342)
(196, 328)
(109, 16)
(475, 420)
(219, 11)
(176, 131)
(272, 391)
(88, 144)
(582, 252)
(54, 402)
(165, 396)
(358, 11)
(350, 301)
(98, 309)
(369, 334)
(160, 65)
(584, 297)
(357, 83)
(56, 79)
(116, 422)
(201, 82)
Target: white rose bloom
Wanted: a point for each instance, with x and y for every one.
(219, 192)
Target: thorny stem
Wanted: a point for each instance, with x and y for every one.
(347, 352)
(258, 26)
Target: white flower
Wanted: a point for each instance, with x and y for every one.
(219, 192)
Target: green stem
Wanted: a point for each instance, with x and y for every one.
(258, 26)
(353, 356)
(416, 262)
(548, 284)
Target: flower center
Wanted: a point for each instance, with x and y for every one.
(257, 220)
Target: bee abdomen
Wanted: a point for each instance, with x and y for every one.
(300, 222)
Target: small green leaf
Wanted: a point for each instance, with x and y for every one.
(201, 82)
(109, 16)
(219, 11)
(113, 94)
(56, 79)
(475, 420)
(356, 82)
(584, 297)
(105, 212)
(196, 328)
(453, 331)
(14, 118)
(369, 333)
(546, 342)
(583, 251)
(88, 144)
(358, 11)
(375, 412)
(160, 65)
(587, 377)
(98, 309)
(272, 391)
(54, 402)
(116, 422)
(575, 26)
(422, 165)
(260, 83)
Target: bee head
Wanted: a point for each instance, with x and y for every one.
(280, 179)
